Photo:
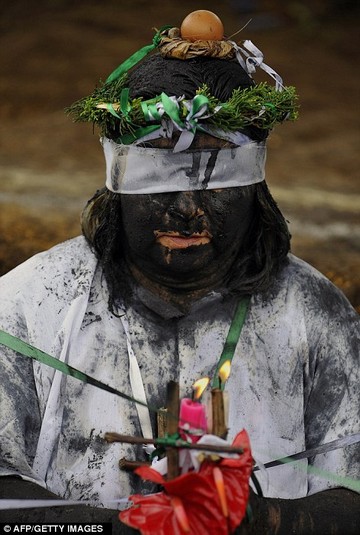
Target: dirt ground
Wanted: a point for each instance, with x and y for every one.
(56, 51)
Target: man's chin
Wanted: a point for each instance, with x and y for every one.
(185, 261)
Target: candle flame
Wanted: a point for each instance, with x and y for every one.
(199, 387)
(224, 371)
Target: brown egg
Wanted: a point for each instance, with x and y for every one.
(202, 25)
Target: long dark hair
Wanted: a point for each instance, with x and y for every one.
(257, 263)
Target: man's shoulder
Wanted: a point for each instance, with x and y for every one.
(298, 271)
(72, 252)
(68, 261)
(309, 288)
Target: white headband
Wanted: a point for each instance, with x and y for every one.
(132, 169)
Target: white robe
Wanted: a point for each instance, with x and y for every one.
(293, 385)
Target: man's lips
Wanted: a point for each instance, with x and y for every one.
(176, 240)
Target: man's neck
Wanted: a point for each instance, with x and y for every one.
(182, 294)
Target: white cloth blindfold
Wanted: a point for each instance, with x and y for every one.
(132, 169)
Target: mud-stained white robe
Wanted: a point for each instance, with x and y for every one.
(294, 382)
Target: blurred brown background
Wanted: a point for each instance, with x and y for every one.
(55, 51)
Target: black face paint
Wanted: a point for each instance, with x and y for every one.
(190, 236)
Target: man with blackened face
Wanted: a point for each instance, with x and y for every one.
(184, 261)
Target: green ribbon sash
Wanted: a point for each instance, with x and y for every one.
(27, 350)
(232, 339)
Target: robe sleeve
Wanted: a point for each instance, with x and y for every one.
(332, 385)
(34, 300)
(19, 408)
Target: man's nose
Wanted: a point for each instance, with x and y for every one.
(186, 206)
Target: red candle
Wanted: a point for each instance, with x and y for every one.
(192, 418)
(192, 415)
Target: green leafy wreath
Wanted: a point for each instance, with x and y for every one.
(111, 110)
